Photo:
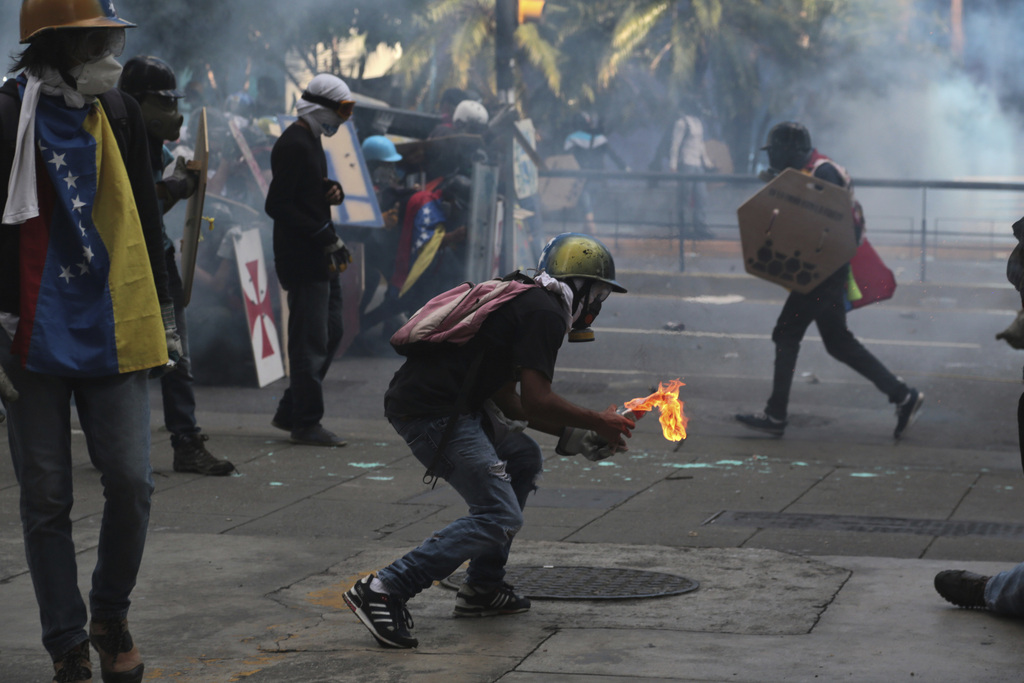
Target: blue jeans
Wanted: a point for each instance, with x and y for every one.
(176, 386)
(114, 414)
(314, 335)
(494, 482)
(1004, 593)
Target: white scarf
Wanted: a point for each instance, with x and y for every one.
(564, 292)
(22, 200)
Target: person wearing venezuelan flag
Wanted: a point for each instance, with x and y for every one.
(85, 315)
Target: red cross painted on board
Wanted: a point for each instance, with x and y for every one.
(256, 310)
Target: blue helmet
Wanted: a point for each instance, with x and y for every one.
(379, 148)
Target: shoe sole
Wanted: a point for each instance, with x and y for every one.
(462, 612)
(915, 411)
(209, 473)
(351, 601)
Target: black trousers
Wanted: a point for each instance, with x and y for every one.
(825, 306)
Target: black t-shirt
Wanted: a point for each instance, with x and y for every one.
(526, 332)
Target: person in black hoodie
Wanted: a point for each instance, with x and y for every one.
(309, 255)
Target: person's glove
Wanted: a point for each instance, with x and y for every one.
(1014, 334)
(576, 441)
(382, 121)
(339, 255)
(182, 182)
(174, 348)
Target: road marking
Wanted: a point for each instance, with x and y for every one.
(768, 337)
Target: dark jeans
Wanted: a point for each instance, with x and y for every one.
(493, 480)
(314, 334)
(114, 414)
(825, 306)
(176, 386)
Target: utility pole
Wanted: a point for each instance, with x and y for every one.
(506, 20)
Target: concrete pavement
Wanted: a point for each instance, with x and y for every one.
(814, 553)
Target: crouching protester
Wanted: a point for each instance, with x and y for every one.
(85, 314)
(455, 402)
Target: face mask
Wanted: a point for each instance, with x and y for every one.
(97, 77)
(162, 118)
(328, 120)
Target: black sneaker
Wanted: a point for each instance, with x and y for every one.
(190, 455)
(962, 588)
(316, 436)
(471, 602)
(906, 411)
(763, 422)
(73, 666)
(384, 615)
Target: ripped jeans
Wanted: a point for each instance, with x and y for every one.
(493, 480)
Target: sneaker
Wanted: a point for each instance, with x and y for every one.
(962, 588)
(472, 602)
(316, 436)
(190, 455)
(384, 615)
(120, 661)
(763, 422)
(74, 665)
(906, 411)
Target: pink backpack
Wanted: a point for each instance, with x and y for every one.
(455, 316)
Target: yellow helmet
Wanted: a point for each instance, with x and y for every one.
(572, 254)
(45, 15)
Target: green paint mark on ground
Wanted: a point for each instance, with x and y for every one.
(366, 465)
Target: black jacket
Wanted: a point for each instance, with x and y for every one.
(297, 201)
(130, 130)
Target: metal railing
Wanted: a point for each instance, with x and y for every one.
(641, 204)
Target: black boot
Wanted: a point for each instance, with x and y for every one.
(190, 455)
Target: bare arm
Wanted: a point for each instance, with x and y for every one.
(548, 412)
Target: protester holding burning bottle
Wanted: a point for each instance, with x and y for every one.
(457, 407)
(789, 146)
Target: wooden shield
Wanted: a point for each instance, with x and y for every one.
(194, 209)
(797, 231)
(252, 273)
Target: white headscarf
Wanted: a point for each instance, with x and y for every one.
(324, 85)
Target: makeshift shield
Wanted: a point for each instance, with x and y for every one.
(345, 164)
(250, 159)
(194, 209)
(266, 344)
(797, 231)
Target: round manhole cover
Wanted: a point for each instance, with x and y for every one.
(588, 583)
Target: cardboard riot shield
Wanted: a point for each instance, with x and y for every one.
(345, 163)
(252, 272)
(797, 231)
(194, 209)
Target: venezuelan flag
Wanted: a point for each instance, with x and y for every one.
(88, 306)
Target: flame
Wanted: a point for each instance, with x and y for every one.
(666, 400)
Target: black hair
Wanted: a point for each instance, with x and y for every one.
(46, 49)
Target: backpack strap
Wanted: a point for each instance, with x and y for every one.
(117, 112)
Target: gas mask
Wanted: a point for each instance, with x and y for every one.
(96, 77)
(160, 113)
(588, 295)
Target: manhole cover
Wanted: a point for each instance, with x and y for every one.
(588, 583)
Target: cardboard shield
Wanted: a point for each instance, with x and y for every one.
(797, 231)
(266, 344)
(345, 163)
(194, 209)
